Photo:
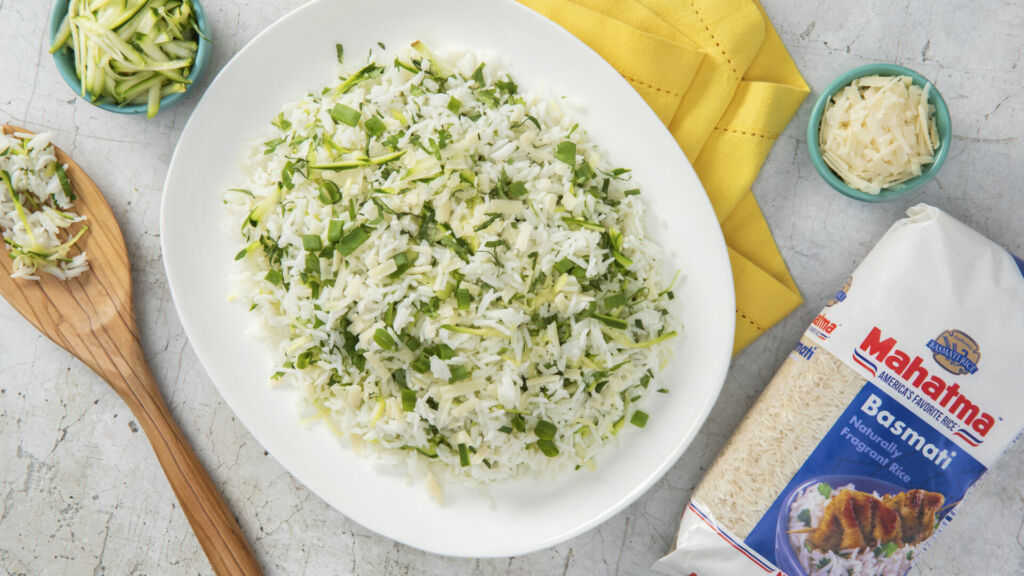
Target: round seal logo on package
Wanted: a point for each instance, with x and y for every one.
(956, 352)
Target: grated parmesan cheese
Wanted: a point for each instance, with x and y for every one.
(878, 131)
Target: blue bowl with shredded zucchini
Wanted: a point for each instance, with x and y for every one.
(64, 58)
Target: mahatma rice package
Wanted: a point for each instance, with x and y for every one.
(899, 396)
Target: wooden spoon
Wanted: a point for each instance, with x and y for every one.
(92, 317)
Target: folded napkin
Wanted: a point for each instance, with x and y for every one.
(716, 73)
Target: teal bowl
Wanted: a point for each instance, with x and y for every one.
(942, 124)
(65, 60)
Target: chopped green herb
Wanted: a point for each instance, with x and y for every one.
(454, 105)
(517, 190)
(492, 217)
(804, 516)
(274, 276)
(478, 75)
(888, 548)
(566, 152)
(824, 489)
(340, 50)
(463, 455)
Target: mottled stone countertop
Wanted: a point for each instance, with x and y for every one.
(80, 490)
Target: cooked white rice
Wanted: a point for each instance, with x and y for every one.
(876, 561)
(35, 209)
(476, 311)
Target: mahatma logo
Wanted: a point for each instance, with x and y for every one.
(841, 294)
(878, 351)
(956, 352)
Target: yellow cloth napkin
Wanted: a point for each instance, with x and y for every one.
(717, 73)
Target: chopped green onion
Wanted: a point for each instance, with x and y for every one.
(374, 126)
(340, 50)
(463, 297)
(463, 455)
(611, 321)
(548, 448)
(334, 230)
(545, 430)
(353, 240)
(274, 276)
(421, 364)
(459, 372)
(329, 192)
(408, 400)
(384, 339)
(445, 352)
(639, 419)
(616, 301)
(401, 264)
(345, 115)
(312, 243)
(454, 105)
(564, 265)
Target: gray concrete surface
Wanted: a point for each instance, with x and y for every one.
(80, 490)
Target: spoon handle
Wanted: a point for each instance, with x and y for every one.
(213, 523)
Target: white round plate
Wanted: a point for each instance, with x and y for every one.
(296, 55)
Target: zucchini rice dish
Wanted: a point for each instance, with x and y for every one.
(447, 270)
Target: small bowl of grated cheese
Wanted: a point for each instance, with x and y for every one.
(878, 132)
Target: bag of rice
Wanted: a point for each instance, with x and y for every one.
(899, 396)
